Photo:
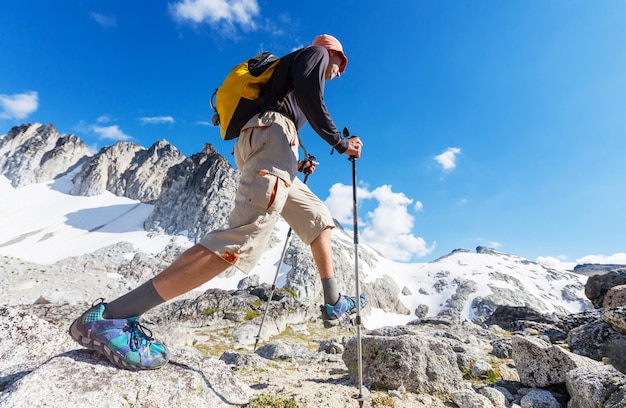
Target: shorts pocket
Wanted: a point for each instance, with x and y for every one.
(263, 190)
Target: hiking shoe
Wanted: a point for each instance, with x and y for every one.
(126, 343)
(344, 306)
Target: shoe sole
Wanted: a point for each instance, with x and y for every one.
(102, 348)
(344, 319)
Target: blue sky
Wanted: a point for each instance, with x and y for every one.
(488, 123)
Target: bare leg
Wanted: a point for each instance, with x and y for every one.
(193, 267)
(323, 254)
(322, 251)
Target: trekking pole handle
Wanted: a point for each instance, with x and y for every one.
(308, 159)
(346, 134)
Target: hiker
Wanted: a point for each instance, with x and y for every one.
(266, 154)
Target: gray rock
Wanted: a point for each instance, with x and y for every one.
(502, 348)
(481, 369)
(594, 386)
(597, 286)
(275, 350)
(331, 347)
(420, 364)
(40, 366)
(616, 318)
(470, 399)
(248, 282)
(541, 364)
(496, 395)
(505, 316)
(571, 321)
(128, 170)
(596, 340)
(197, 195)
(615, 297)
(539, 399)
(421, 311)
(384, 295)
(457, 302)
(242, 360)
(75, 379)
(27, 342)
(34, 153)
(103, 171)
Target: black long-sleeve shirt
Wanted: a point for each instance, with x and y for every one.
(301, 76)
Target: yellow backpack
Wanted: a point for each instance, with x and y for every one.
(239, 97)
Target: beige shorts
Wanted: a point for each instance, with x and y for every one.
(266, 154)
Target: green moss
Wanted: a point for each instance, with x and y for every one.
(271, 401)
(383, 401)
(251, 314)
(290, 291)
(256, 304)
(210, 311)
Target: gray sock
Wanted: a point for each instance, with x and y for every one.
(134, 303)
(331, 293)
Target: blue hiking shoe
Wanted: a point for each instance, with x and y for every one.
(345, 306)
(126, 343)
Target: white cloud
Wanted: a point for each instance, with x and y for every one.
(111, 132)
(419, 206)
(103, 119)
(157, 120)
(558, 262)
(618, 258)
(339, 202)
(230, 12)
(18, 106)
(388, 227)
(447, 159)
(104, 21)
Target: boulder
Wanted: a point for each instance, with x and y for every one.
(539, 398)
(596, 385)
(541, 364)
(41, 366)
(615, 297)
(275, 350)
(27, 342)
(422, 365)
(616, 318)
(469, 398)
(80, 377)
(506, 316)
(598, 340)
(571, 321)
(597, 286)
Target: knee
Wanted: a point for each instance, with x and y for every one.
(323, 237)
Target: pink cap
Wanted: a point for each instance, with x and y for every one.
(331, 43)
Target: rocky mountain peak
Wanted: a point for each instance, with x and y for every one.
(34, 153)
(128, 170)
(197, 195)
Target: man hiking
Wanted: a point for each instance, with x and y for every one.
(266, 154)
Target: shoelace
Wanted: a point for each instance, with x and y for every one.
(139, 335)
(351, 303)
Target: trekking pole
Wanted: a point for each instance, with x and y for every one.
(280, 262)
(359, 351)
